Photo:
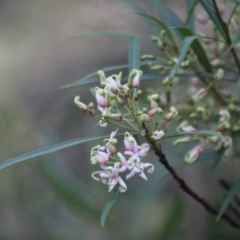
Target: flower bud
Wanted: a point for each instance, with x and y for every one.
(172, 114)
(193, 154)
(81, 105)
(219, 75)
(201, 93)
(147, 57)
(157, 135)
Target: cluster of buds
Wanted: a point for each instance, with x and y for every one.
(116, 165)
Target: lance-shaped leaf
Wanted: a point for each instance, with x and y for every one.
(229, 198)
(236, 87)
(134, 54)
(167, 15)
(235, 39)
(207, 5)
(106, 34)
(191, 5)
(139, 10)
(184, 47)
(198, 49)
(109, 206)
(161, 24)
(47, 150)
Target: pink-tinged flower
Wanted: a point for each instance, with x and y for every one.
(152, 112)
(184, 127)
(193, 154)
(136, 154)
(103, 99)
(111, 142)
(136, 79)
(135, 82)
(125, 164)
(99, 155)
(157, 135)
(172, 114)
(81, 105)
(126, 90)
(130, 142)
(139, 168)
(110, 176)
(152, 99)
(200, 94)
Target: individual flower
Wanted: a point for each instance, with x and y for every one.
(136, 75)
(172, 114)
(193, 154)
(110, 176)
(130, 142)
(81, 105)
(200, 94)
(99, 156)
(157, 135)
(111, 142)
(185, 127)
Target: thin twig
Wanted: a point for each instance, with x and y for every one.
(183, 185)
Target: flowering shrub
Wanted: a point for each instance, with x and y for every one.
(196, 94)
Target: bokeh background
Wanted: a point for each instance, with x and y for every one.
(55, 197)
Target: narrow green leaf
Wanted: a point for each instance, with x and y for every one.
(47, 150)
(134, 54)
(207, 5)
(167, 15)
(217, 160)
(209, 132)
(198, 49)
(235, 1)
(139, 10)
(161, 24)
(184, 47)
(106, 34)
(229, 198)
(235, 39)
(191, 5)
(109, 206)
(236, 88)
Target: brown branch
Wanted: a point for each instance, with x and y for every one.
(183, 185)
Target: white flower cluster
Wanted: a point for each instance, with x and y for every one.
(114, 164)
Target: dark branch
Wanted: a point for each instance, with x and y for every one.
(183, 185)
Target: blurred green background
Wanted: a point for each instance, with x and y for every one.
(55, 197)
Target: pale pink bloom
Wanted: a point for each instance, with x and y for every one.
(136, 78)
(193, 154)
(103, 99)
(200, 94)
(172, 114)
(141, 151)
(152, 99)
(125, 164)
(186, 128)
(152, 112)
(130, 142)
(100, 156)
(111, 177)
(139, 168)
(157, 135)
(110, 142)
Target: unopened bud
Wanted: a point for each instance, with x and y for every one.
(147, 57)
(219, 75)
